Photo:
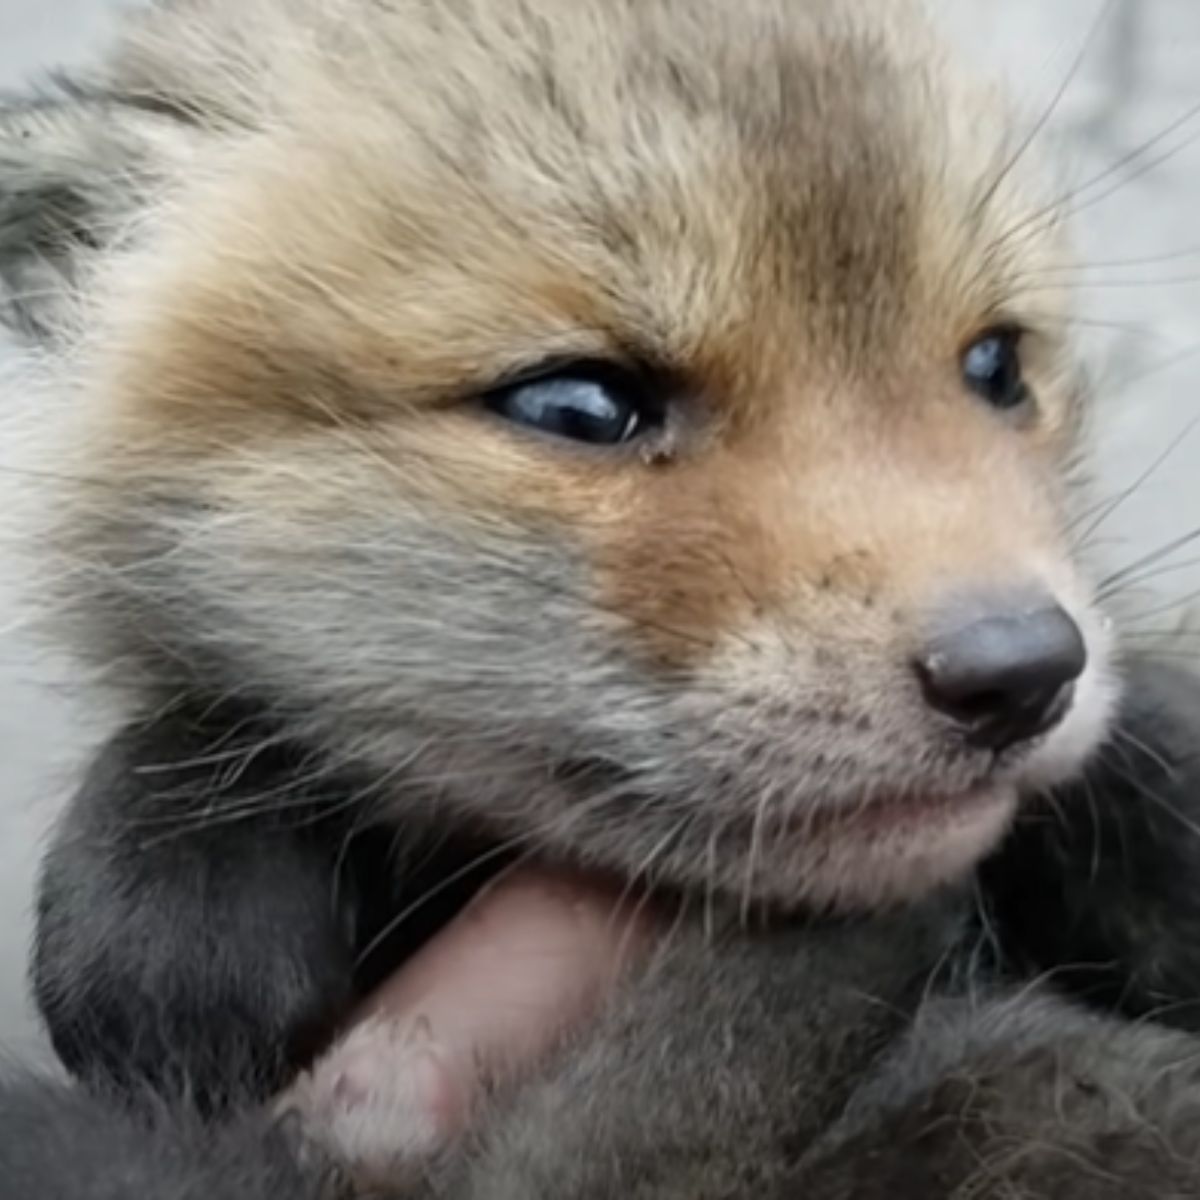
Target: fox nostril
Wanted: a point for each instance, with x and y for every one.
(1003, 667)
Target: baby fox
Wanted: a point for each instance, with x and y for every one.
(636, 434)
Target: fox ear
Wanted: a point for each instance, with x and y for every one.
(75, 172)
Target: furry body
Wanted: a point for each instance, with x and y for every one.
(902, 1053)
(279, 251)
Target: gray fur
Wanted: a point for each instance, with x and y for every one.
(77, 170)
(260, 887)
(60, 1143)
(824, 1059)
(808, 1064)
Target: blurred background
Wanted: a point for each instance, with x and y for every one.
(1130, 90)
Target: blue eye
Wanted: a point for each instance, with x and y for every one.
(991, 368)
(601, 405)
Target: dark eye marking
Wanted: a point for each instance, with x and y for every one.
(992, 369)
(599, 403)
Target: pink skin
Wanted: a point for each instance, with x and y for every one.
(527, 962)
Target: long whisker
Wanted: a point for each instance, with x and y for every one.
(1139, 746)
(1122, 383)
(1123, 496)
(756, 836)
(1164, 805)
(1068, 201)
(1150, 575)
(666, 843)
(1023, 148)
(499, 851)
(1150, 559)
(1170, 606)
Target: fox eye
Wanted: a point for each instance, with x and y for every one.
(991, 367)
(600, 404)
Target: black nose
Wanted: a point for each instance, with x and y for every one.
(1002, 667)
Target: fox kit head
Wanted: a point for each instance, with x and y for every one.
(639, 428)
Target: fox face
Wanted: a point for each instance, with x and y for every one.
(642, 431)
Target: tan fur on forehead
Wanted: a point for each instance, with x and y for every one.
(463, 188)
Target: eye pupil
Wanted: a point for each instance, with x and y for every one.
(600, 408)
(992, 370)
